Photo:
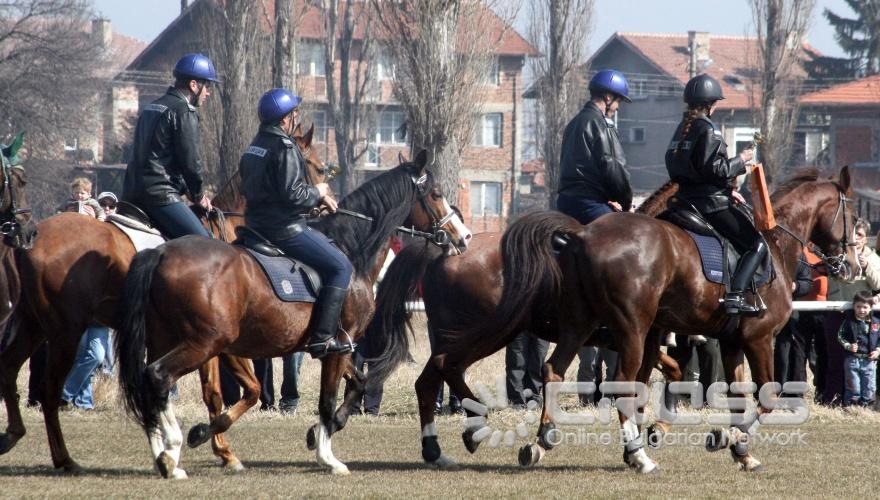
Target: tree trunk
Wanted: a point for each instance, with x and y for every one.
(445, 169)
(283, 74)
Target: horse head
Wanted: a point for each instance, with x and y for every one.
(434, 211)
(834, 230)
(16, 225)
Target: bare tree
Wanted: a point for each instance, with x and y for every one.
(559, 29)
(49, 82)
(284, 54)
(780, 26)
(443, 50)
(348, 41)
(234, 36)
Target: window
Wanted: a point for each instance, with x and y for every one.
(384, 66)
(493, 74)
(319, 120)
(485, 199)
(637, 134)
(392, 128)
(638, 89)
(488, 132)
(310, 59)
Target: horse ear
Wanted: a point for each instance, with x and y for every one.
(400, 157)
(422, 159)
(297, 131)
(845, 180)
(308, 137)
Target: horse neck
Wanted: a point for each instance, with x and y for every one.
(799, 216)
(656, 203)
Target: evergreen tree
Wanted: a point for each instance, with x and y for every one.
(859, 38)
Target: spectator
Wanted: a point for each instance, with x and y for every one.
(108, 202)
(524, 366)
(808, 344)
(290, 368)
(700, 360)
(788, 340)
(81, 200)
(859, 337)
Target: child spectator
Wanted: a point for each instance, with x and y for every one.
(81, 200)
(858, 335)
(107, 200)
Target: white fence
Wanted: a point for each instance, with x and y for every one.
(799, 305)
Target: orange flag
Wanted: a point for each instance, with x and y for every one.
(764, 218)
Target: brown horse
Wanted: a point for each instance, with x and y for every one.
(16, 227)
(457, 291)
(72, 278)
(646, 278)
(193, 298)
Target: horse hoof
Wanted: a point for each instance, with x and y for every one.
(654, 437)
(72, 469)
(234, 467)
(444, 462)
(717, 439)
(472, 439)
(178, 474)
(340, 470)
(530, 455)
(7, 442)
(311, 440)
(166, 465)
(757, 469)
(198, 435)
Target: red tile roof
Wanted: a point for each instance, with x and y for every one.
(865, 91)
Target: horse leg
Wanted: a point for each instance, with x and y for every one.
(356, 384)
(629, 365)
(760, 356)
(61, 355)
(209, 373)
(672, 373)
(427, 386)
(332, 369)
(23, 343)
(571, 338)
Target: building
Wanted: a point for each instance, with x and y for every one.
(488, 164)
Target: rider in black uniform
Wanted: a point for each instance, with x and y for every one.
(697, 161)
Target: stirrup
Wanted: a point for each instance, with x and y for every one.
(330, 346)
(735, 303)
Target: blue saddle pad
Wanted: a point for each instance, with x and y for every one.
(712, 256)
(288, 280)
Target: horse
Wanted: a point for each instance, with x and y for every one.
(16, 227)
(649, 279)
(177, 326)
(457, 291)
(72, 278)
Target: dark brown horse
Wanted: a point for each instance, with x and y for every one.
(72, 278)
(16, 227)
(457, 291)
(639, 275)
(193, 298)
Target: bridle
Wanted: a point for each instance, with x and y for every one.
(10, 227)
(437, 236)
(836, 264)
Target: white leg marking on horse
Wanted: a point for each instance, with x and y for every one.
(429, 430)
(325, 453)
(173, 439)
(638, 459)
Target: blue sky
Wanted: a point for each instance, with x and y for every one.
(145, 19)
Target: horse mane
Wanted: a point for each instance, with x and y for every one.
(800, 176)
(656, 203)
(387, 200)
(230, 199)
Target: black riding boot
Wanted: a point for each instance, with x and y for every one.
(734, 302)
(328, 309)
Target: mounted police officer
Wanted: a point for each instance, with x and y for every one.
(166, 161)
(697, 161)
(273, 180)
(594, 180)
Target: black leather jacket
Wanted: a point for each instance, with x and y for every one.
(592, 163)
(273, 180)
(699, 164)
(166, 161)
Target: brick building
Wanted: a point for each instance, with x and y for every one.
(489, 163)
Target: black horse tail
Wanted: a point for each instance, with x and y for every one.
(386, 339)
(532, 276)
(142, 398)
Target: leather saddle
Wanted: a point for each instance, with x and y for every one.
(719, 257)
(292, 280)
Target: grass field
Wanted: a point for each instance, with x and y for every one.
(838, 457)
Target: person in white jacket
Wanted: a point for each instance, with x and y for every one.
(868, 258)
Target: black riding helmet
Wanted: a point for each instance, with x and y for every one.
(702, 88)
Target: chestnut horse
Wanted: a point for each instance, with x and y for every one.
(16, 227)
(639, 275)
(457, 291)
(192, 298)
(72, 278)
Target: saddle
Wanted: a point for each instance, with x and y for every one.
(292, 280)
(718, 256)
(132, 221)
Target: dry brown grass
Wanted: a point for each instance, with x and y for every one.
(384, 456)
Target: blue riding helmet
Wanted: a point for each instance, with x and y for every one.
(195, 67)
(610, 80)
(276, 104)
